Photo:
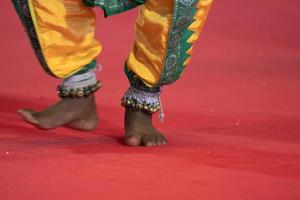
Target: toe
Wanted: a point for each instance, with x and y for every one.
(159, 143)
(149, 144)
(162, 140)
(154, 140)
(133, 141)
(147, 141)
(28, 116)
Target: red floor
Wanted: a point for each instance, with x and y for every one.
(233, 121)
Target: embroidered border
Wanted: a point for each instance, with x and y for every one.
(22, 8)
(136, 83)
(183, 17)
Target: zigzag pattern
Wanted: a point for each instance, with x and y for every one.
(202, 9)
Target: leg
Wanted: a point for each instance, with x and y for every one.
(165, 35)
(62, 35)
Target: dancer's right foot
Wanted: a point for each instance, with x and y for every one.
(77, 113)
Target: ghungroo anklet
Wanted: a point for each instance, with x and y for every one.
(77, 86)
(141, 100)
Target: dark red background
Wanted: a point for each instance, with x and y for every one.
(233, 120)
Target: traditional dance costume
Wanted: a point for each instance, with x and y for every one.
(62, 35)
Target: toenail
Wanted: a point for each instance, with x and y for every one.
(149, 144)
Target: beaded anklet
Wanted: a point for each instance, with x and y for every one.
(79, 86)
(141, 100)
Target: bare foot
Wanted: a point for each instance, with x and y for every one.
(77, 113)
(140, 131)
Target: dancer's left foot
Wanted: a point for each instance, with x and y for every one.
(139, 130)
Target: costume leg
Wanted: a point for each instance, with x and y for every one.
(166, 32)
(165, 35)
(61, 33)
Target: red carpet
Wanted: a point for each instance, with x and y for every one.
(233, 120)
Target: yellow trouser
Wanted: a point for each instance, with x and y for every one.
(62, 33)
